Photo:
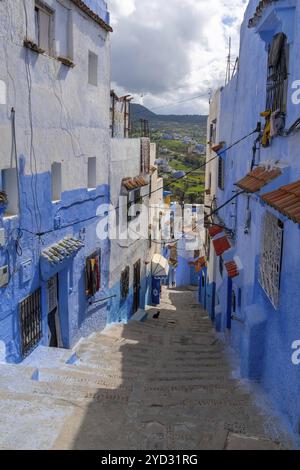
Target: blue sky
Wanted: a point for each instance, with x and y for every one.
(173, 50)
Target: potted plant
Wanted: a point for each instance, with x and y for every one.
(3, 202)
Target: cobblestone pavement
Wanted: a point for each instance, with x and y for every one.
(164, 384)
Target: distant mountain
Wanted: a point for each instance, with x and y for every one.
(140, 112)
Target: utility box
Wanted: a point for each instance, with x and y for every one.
(26, 271)
(4, 276)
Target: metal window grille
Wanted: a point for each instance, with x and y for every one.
(271, 257)
(125, 283)
(221, 173)
(277, 81)
(30, 322)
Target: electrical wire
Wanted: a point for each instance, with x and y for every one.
(41, 234)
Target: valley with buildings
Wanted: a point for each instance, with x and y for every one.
(149, 271)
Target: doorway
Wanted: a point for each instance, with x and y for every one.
(54, 340)
(136, 286)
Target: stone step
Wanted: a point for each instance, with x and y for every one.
(45, 357)
(31, 422)
(10, 371)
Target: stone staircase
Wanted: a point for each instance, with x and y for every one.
(162, 384)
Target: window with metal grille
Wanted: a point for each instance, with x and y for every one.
(277, 81)
(93, 274)
(221, 173)
(125, 283)
(30, 322)
(271, 257)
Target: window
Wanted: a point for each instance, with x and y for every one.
(221, 265)
(93, 69)
(221, 173)
(172, 225)
(160, 221)
(92, 172)
(9, 185)
(56, 174)
(145, 155)
(30, 322)
(271, 256)
(93, 274)
(125, 283)
(2, 92)
(277, 81)
(213, 132)
(133, 200)
(233, 302)
(63, 31)
(44, 26)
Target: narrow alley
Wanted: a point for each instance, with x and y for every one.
(164, 384)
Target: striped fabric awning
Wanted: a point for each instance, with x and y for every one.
(221, 245)
(232, 269)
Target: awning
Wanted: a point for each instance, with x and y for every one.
(62, 250)
(160, 266)
(198, 264)
(232, 269)
(214, 230)
(253, 22)
(217, 148)
(135, 183)
(258, 178)
(94, 11)
(221, 245)
(286, 200)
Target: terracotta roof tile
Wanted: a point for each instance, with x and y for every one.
(217, 148)
(134, 183)
(232, 269)
(286, 200)
(214, 230)
(221, 245)
(258, 178)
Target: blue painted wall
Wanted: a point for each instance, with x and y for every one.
(261, 334)
(23, 244)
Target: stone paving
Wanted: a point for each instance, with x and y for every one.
(164, 384)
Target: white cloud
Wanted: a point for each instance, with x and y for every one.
(172, 50)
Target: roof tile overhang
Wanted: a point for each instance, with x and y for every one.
(253, 22)
(258, 178)
(232, 269)
(62, 250)
(94, 16)
(134, 183)
(221, 245)
(286, 200)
